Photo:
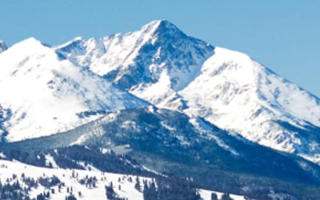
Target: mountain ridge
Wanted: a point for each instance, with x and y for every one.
(233, 86)
(164, 66)
(45, 94)
(171, 143)
(157, 101)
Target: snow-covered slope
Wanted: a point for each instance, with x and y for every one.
(161, 64)
(152, 63)
(3, 46)
(42, 94)
(86, 185)
(169, 142)
(237, 93)
(68, 181)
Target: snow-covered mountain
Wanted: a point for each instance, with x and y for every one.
(42, 94)
(166, 142)
(152, 63)
(238, 94)
(97, 104)
(3, 46)
(164, 66)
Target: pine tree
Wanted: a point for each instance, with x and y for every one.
(226, 196)
(137, 185)
(214, 196)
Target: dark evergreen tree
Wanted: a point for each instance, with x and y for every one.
(170, 189)
(149, 191)
(111, 194)
(70, 197)
(41, 197)
(226, 196)
(137, 184)
(214, 196)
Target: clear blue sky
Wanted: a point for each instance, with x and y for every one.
(284, 35)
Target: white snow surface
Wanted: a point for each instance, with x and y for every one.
(123, 184)
(164, 66)
(238, 94)
(43, 94)
(160, 64)
(143, 55)
(72, 178)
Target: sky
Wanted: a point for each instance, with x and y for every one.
(282, 35)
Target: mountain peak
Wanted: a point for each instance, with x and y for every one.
(29, 45)
(26, 50)
(3, 46)
(166, 24)
(33, 79)
(162, 27)
(31, 40)
(157, 23)
(161, 23)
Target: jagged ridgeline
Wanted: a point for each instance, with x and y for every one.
(155, 107)
(170, 69)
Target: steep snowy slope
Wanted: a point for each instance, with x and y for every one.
(152, 63)
(41, 94)
(161, 64)
(3, 46)
(238, 94)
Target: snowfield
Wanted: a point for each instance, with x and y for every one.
(70, 182)
(122, 184)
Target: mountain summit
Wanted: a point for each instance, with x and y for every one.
(42, 94)
(174, 111)
(240, 95)
(158, 57)
(169, 69)
(163, 65)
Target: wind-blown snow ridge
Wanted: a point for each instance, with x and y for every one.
(42, 94)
